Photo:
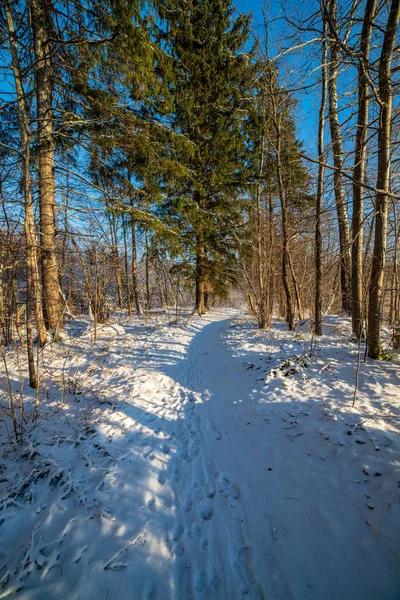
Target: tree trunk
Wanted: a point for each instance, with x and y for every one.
(285, 237)
(116, 263)
(382, 184)
(296, 287)
(127, 286)
(32, 275)
(337, 149)
(147, 267)
(134, 269)
(33, 291)
(320, 190)
(359, 173)
(44, 80)
(201, 259)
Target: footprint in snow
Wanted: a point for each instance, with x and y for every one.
(217, 435)
(233, 492)
(209, 489)
(205, 509)
(187, 505)
(194, 448)
(194, 531)
(175, 473)
(162, 478)
(183, 451)
(224, 485)
(177, 532)
(179, 549)
(204, 543)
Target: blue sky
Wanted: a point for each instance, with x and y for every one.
(307, 108)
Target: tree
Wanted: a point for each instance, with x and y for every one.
(320, 187)
(44, 87)
(210, 90)
(359, 171)
(33, 290)
(382, 184)
(337, 150)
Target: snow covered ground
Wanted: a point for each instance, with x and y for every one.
(207, 460)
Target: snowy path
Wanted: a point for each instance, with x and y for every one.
(203, 482)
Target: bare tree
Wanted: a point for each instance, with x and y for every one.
(382, 184)
(359, 171)
(337, 149)
(320, 186)
(33, 291)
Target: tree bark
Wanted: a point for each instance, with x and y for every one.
(320, 189)
(32, 270)
(285, 236)
(147, 267)
(382, 183)
(201, 259)
(337, 149)
(126, 266)
(359, 173)
(134, 268)
(44, 81)
(116, 261)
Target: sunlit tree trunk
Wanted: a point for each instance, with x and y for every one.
(337, 149)
(359, 173)
(44, 83)
(320, 189)
(382, 185)
(33, 291)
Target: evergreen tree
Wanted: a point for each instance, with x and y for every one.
(211, 87)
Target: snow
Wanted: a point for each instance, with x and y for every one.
(206, 460)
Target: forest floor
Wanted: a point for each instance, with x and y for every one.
(204, 460)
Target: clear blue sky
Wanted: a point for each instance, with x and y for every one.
(307, 109)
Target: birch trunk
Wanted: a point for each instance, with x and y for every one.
(337, 149)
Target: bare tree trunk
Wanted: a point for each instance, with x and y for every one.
(116, 263)
(396, 291)
(337, 149)
(382, 184)
(134, 269)
(285, 237)
(200, 262)
(33, 291)
(147, 267)
(127, 285)
(359, 173)
(262, 284)
(320, 189)
(296, 287)
(44, 81)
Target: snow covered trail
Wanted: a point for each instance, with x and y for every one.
(286, 492)
(215, 468)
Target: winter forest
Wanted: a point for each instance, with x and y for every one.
(199, 299)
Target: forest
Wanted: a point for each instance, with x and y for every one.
(194, 194)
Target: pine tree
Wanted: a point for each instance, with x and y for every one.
(211, 86)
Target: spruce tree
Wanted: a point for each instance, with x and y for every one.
(211, 86)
